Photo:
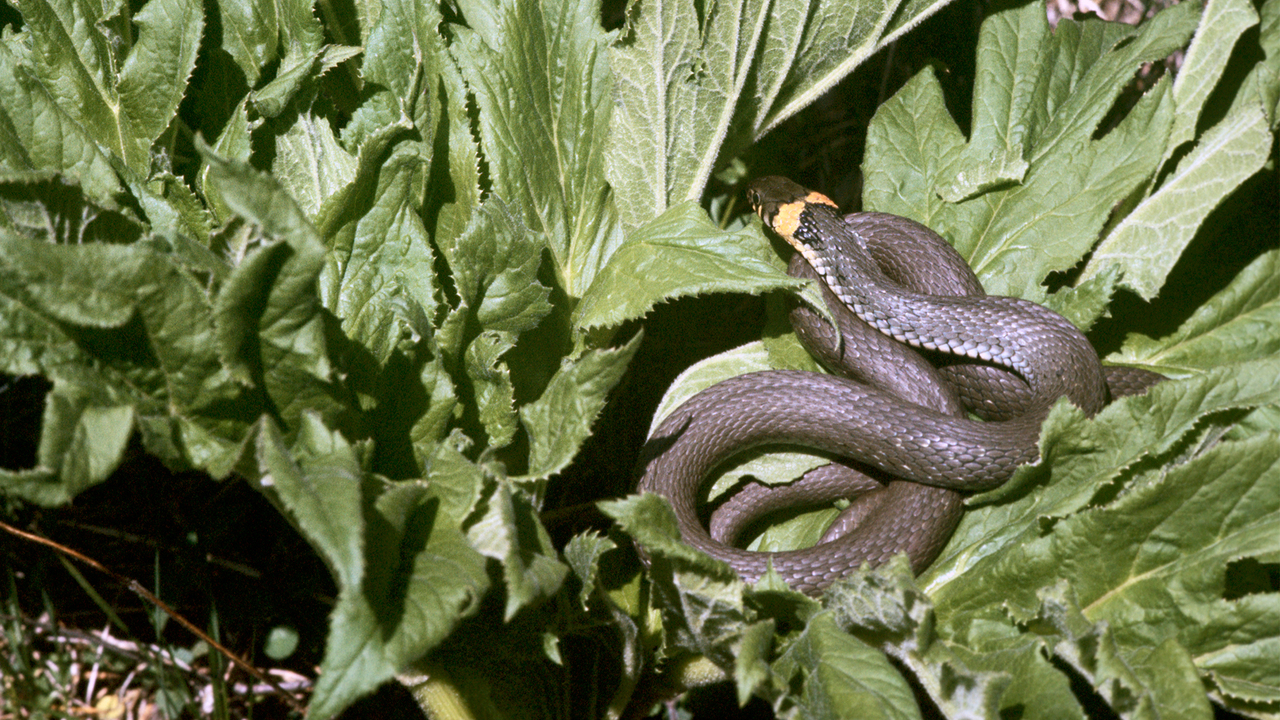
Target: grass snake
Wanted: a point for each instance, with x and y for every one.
(919, 347)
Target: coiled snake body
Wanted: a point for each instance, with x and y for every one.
(890, 282)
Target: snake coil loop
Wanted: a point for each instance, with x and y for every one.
(892, 285)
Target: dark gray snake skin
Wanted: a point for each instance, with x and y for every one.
(897, 417)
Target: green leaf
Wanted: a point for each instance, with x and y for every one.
(886, 606)
(1155, 681)
(1015, 235)
(842, 677)
(406, 573)
(751, 666)
(251, 35)
(509, 531)
(82, 440)
(582, 553)
(129, 327)
(76, 55)
(1220, 27)
(39, 135)
(310, 164)
(179, 223)
(1241, 322)
(304, 57)
(261, 199)
(679, 75)
(321, 491)
(911, 141)
(543, 84)
(234, 144)
(1079, 456)
(494, 395)
(559, 421)
(676, 255)
(460, 153)
(271, 333)
(495, 269)
(379, 277)
(810, 46)
(1003, 93)
(71, 59)
(691, 80)
(30, 343)
(1036, 688)
(459, 483)
(1151, 563)
(1087, 301)
(154, 77)
(271, 327)
(403, 51)
(1182, 530)
(1244, 671)
(701, 599)
(495, 265)
(1149, 240)
(442, 400)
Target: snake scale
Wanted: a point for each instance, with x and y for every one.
(919, 346)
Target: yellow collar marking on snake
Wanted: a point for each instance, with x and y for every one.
(789, 218)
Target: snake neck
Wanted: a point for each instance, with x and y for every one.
(1041, 346)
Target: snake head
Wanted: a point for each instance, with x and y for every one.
(787, 207)
(780, 202)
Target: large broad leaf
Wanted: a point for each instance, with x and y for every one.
(270, 324)
(495, 262)
(560, 420)
(1147, 242)
(701, 599)
(843, 677)
(1239, 323)
(379, 276)
(677, 254)
(1038, 118)
(128, 336)
(39, 137)
(691, 80)
(406, 572)
(543, 83)
(121, 94)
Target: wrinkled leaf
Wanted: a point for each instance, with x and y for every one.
(1165, 222)
(543, 83)
(1241, 322)
(405, 571)
(691, 81)
(561, 419)
(675, 255)
(842, 677)
(1013, 236)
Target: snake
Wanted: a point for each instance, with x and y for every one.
(941, 391)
